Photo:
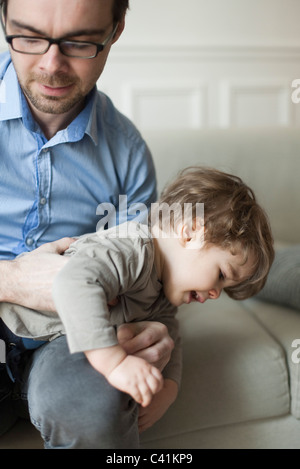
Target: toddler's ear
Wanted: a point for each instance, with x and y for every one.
(192, 237)
(185, 233)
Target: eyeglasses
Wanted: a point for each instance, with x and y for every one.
(40, 45)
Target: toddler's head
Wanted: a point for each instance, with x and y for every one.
(233, 220)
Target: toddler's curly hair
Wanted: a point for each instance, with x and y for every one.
(233, 219)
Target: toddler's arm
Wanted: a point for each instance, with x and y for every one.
(127, 373)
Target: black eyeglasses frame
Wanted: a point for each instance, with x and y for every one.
(99, 46)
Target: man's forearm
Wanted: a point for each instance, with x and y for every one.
(7, 282)
(28, 279)
(19, 286)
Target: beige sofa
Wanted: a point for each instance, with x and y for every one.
(241, 379)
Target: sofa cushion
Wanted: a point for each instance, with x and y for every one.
(233, 371)
(283, 324)
(283, 284)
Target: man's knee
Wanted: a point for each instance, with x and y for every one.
(101, 420)
(73, 406)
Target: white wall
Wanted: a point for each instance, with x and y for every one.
(200, 63)
(206, 63)
(213, 22)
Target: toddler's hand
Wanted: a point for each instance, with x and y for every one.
(138, 378)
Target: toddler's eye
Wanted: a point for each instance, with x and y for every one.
(221, 275)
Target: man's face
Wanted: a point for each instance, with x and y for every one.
(54, 83)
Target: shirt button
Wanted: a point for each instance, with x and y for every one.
(29, 241)
(43, 201)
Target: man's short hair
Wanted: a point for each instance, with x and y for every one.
(119, 9)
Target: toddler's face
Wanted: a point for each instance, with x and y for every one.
(201, 274)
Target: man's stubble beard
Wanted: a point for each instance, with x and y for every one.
(52, 104)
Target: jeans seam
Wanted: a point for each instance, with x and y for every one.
(39, 428)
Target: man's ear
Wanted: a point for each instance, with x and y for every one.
(120, 29)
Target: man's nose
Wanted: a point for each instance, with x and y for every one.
(53, 60)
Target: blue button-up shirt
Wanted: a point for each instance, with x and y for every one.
(52, 188)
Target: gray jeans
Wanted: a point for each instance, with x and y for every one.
(71, 404)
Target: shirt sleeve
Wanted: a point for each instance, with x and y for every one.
(139, 184)
(133, 163)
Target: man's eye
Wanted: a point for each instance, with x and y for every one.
(77, 45)
(30, 40)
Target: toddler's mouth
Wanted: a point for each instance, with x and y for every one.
(197, 297)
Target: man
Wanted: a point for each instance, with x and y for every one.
(64, 150)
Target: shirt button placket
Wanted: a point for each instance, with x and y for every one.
(29, 242)
(44, 186)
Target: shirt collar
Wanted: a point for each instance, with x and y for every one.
(14, 106)
(10, 94)
(86, 121)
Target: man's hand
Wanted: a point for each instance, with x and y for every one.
(148, 340)
(159, 405)
(27, 280)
